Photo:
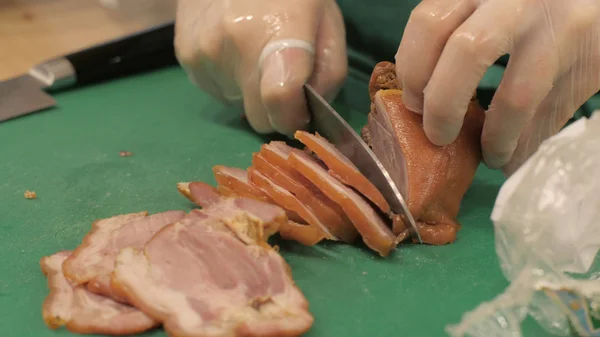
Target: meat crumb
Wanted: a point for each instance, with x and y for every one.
(125, 153)
(30, 194)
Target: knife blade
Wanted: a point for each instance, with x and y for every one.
(328, 122)
(132, 54)
(22, 95)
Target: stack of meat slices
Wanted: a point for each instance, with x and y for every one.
(322, 192)
(206, 273)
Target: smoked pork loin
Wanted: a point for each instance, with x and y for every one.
(438, 176)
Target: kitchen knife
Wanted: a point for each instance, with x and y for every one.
(328, 122)
(132, 54)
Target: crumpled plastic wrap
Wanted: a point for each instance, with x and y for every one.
(547, 233)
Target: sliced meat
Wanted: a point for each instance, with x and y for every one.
(342, 168)
(199, 279)
(271, 216)
(93, 261)
(236, 180)
(184, 189)
(288, 201)
(438, 176)
(199, 193)
(369, 224)
(306, 235)
(330, 214)
(249, 218)
(277, 153)
(80, 272)
(224, 191)
(82, 311)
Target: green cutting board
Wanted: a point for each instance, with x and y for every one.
(70, 157)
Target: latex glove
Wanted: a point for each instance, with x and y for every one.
(263, 51)
(553, 69)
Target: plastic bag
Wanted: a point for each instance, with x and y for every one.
(547, 231)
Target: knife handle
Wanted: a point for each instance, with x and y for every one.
(147, 50)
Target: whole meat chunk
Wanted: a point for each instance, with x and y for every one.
(200, 279)
(82, 311)
(93, 261)
(438, 176)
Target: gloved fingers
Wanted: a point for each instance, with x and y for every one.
(541, 58)
(468, 53)
(429, 26)
(283, 75)
(254, 108)
(222, 64)
(285, 64)
(228, 90)
(199, 49)
(201, 79)
(529, 77)
(569, 93)
(331, 61)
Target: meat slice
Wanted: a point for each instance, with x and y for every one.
(267, 217)
(438, 176)
(224, 191)
(272, 217)
(235, 180)
(199, 193)
(324, 209)
(288, 201)
(93, 261)
(277, 153)
(369, 224)
(94, 269)
(84, 312)
(199, 279)
(306, 235)
(342, 168)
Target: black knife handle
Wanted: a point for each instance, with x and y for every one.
(147, 50)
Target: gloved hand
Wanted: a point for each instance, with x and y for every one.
(554, 67)
(263, 51)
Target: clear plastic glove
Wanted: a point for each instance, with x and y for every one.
(553, 69)
(262, 52)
